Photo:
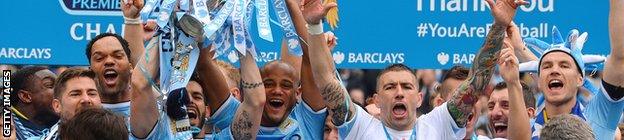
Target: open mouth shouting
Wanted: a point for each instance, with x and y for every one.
(110, 77)
(555, 85)
(193, 114)
(500, 129)
(399, 110)
(275, 104)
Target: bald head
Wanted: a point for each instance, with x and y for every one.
(279, 67)
(280, 83)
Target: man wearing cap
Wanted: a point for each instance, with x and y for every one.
(561, 71)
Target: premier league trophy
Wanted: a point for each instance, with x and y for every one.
(186, 26)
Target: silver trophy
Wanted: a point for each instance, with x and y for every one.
(191, 27)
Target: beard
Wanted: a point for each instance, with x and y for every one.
(47, 116)
(120, 86)
(200, 125)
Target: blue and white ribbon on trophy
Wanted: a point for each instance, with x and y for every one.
(178, 56)
(185, 28)
(292, 39)
(166, 9)
(238, 26)
(148, 9)
(262, 20)
(220, 18)
(251, 47)
(222, 42)
(201, 11)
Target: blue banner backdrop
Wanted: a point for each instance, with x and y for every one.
(372, 34)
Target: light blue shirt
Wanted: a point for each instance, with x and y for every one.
(25, 129)
(602, 114)
(163, 131)
(122, 109)
(48, 134)
(303, 123)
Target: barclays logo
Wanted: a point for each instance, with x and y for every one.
(338, 57)
(443, 58)
(92, 7)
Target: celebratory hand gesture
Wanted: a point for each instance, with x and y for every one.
(513, 32)
(504, 10)
(515, 39)
(131, 8)
(314, 10)
(149, 29)
(508, 63)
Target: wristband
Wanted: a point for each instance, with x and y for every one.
(315, 29)
(132, 21)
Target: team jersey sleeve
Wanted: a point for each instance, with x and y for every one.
(312, 122)
(222, 118)
(603, 113)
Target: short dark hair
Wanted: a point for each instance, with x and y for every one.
(195, 77)
(527, 94)
(123, 42)
(456, 72)
(396, 68)
(94, 124)
(68, 74)
(22, 80)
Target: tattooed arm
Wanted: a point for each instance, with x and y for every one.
(247, 119)
(334, 95)
(212, 80)
(143, 108)
(461, 104)
(309, 92)
(614, 64)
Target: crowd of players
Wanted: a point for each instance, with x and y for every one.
(299, 98)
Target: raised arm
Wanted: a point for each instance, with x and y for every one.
(522, 52)
(143, 107)
(133, 32)
(212, 80)
(334, 95)
(519, 123)
(247, 119)
(615, 63)
(465, 96)
(293, 60)
(310, 93)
